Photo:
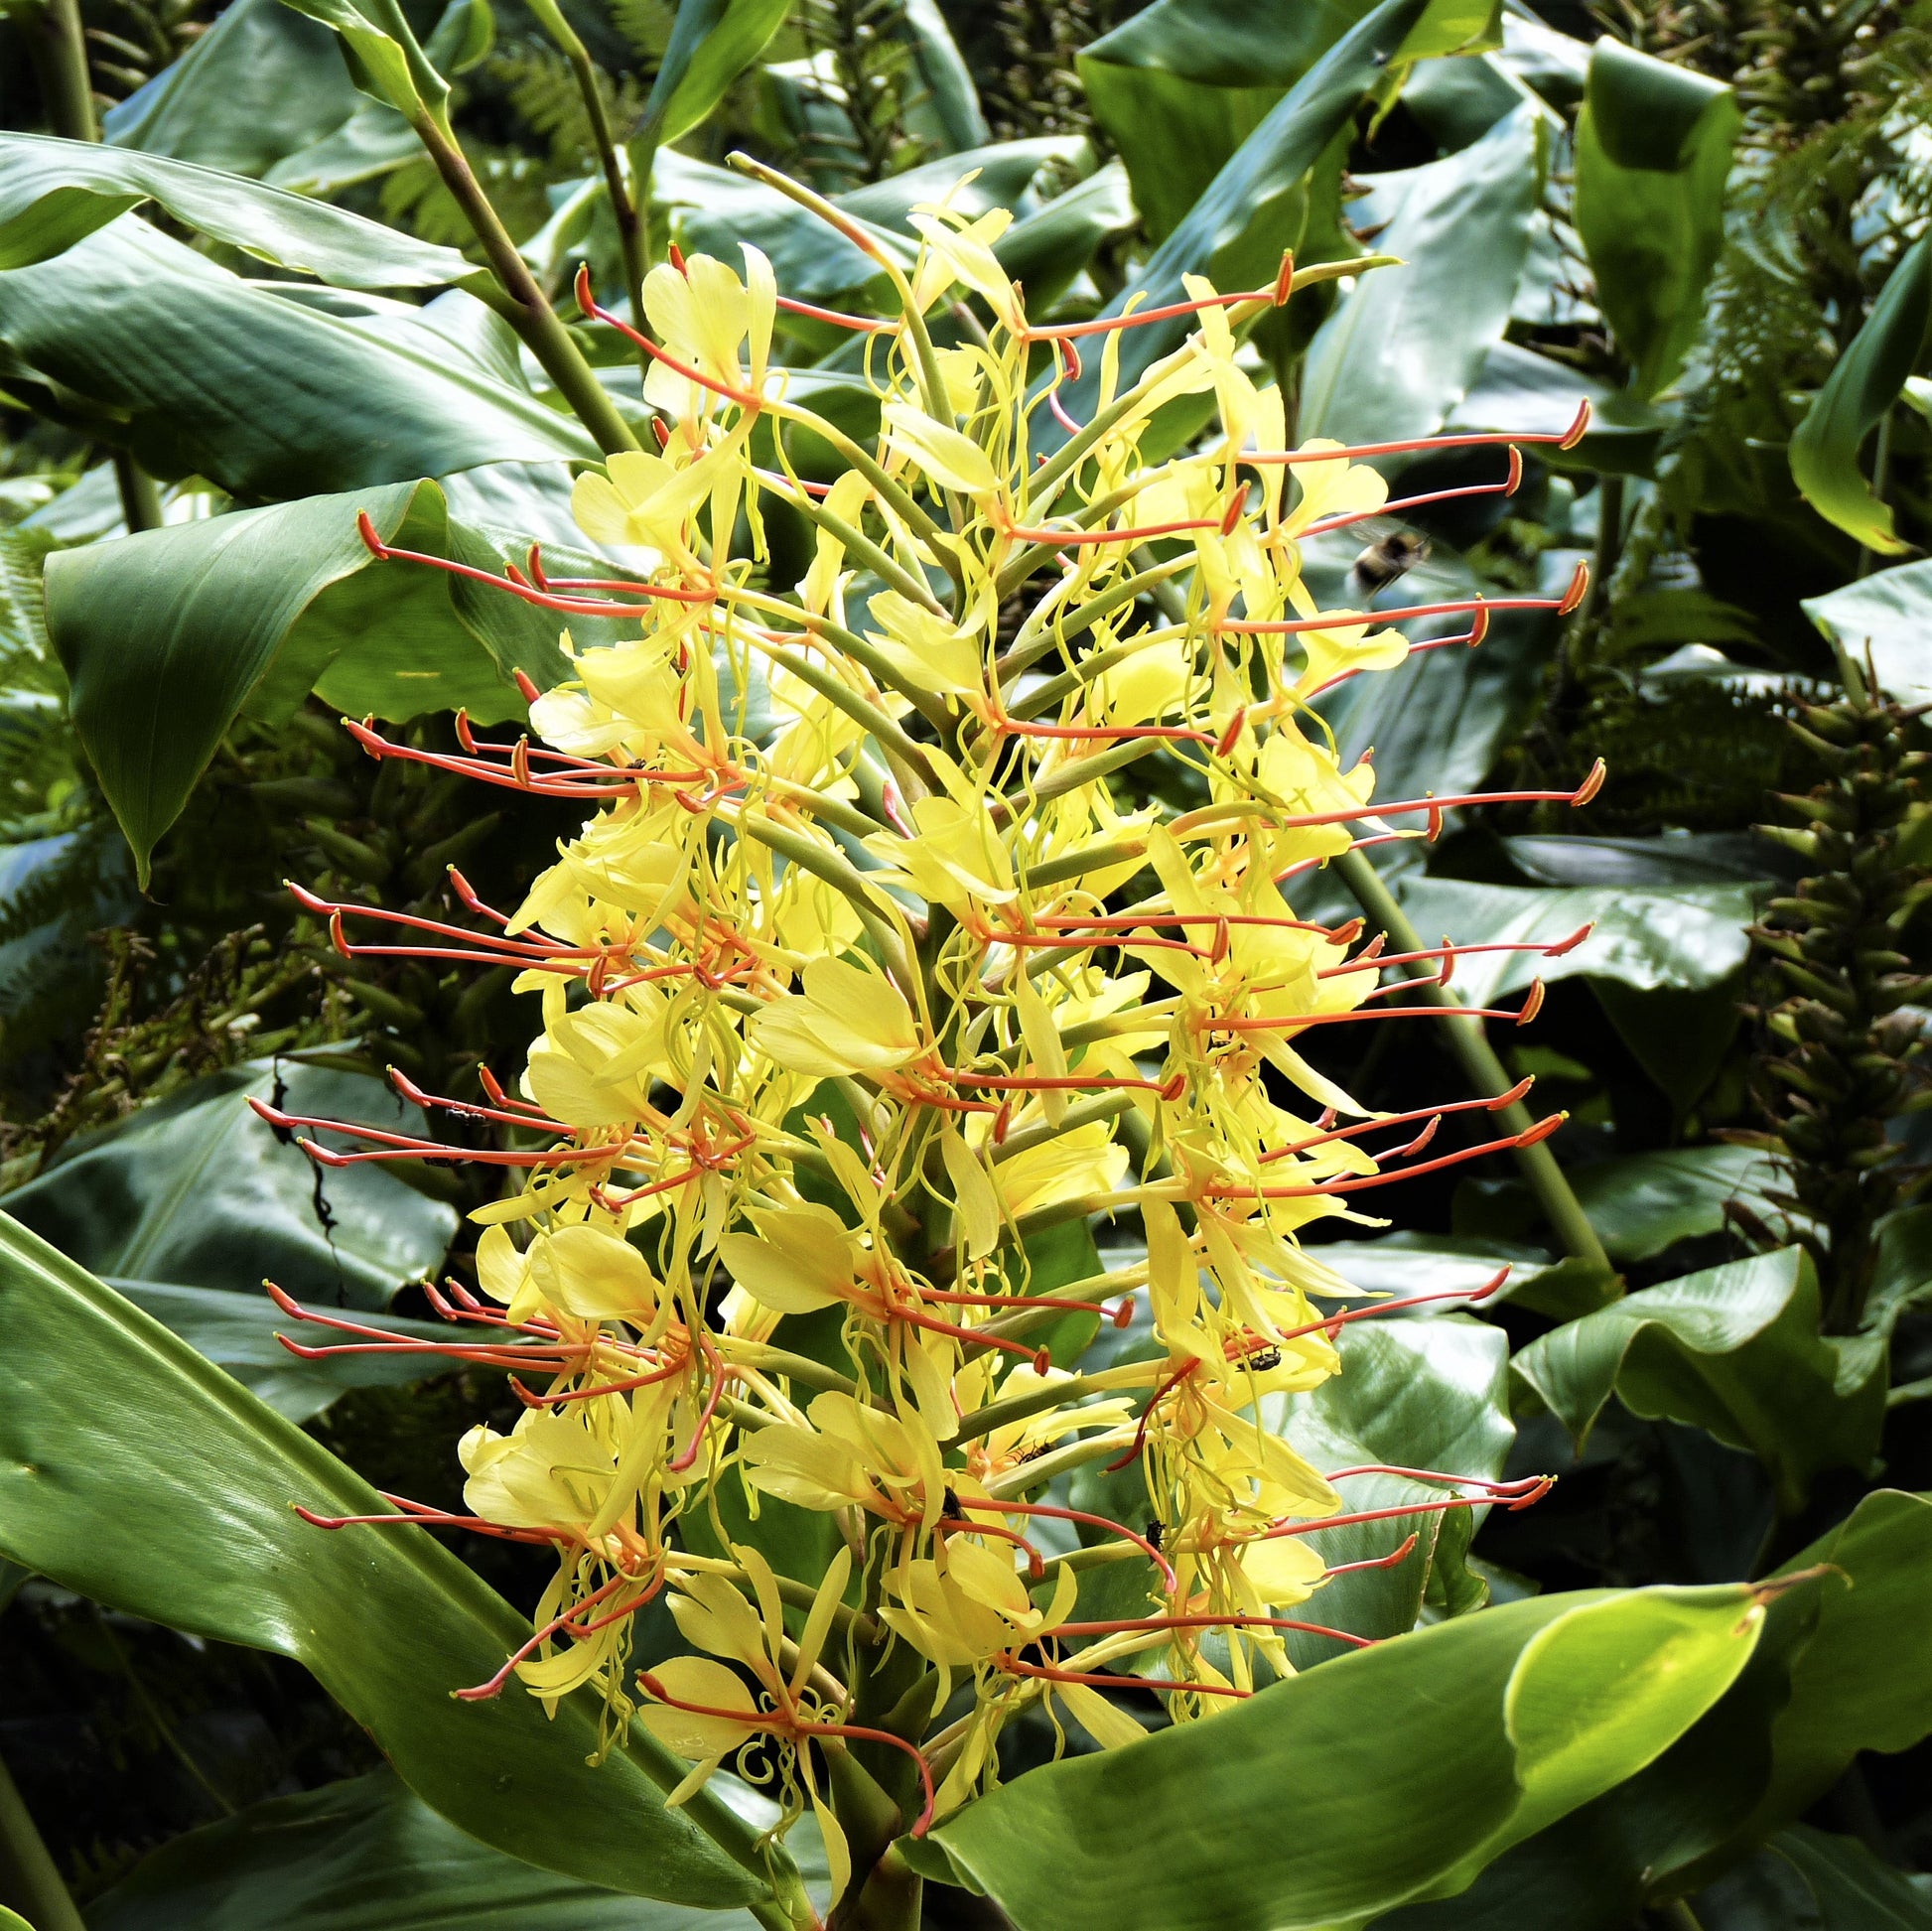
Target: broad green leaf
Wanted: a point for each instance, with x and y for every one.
(1527, 394)
(101, 1408)
(1388, 1774)
(384, 54)
(1427, 1394)
(1404, 349)
(168, 635)
(945, 107)
(1679, 1038)
(1824, 1883)
(264, 93)
(1459, 101)
(189, 1205)
(1809, 1700)
(712, 43)
(1403, 1264)
(1437, 722)
(1864, 383)
(1673, 860)
(1642, 1203)
(1691, 939)
(1653, 151)
(1734, 1351)
(1252, 208)
(1888, 614)
(254, 386)
(1179, 85)
(368, 1855)
(53, 194)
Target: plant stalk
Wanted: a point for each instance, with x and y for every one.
(1881, 476)
(528, 310)
(1486, 1073)
(632, 238)
(58, 46)
(30, 1881)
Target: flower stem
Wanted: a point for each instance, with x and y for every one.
(1485, 1071)
(632, 239)
(525, 305)
(29, 1882)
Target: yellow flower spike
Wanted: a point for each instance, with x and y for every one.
(880, 957)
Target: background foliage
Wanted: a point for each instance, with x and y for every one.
(260, 302)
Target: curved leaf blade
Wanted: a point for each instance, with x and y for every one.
(56, 193)
(1408, 343)
(168, 635)
(365, 1854)
(1653, 151)
(1430, 1754)
(1864, 384)
(99, 1405)
(1734, 1350)
(253, 386)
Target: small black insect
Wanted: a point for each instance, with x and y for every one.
(1154, 1535)
(949, 1504)
(1392, 556)
(1264, 1358)
(1036, 1451)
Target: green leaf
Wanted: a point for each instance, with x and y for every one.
(1527, 394)
(168, 635)
(1437, 722)
(384, 54)
(1404, 349)
(1807, 1703)
(366, 1854)
(99, 1404)
(712, 43)
(1427, 1393)
(1888, 614)
(264, 93)
(1734, 1351)
(189, 1205)
(1252, 208)
(1417, 1763)
(255, 386)
(1690, 938)
(1864, 384)
(1181, 84)
(1642, 1203)
(1823, 1883)
(944, 107)
(1653, 152)
(1403, 1264)
(55, 193)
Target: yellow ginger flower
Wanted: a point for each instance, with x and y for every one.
(878, 966)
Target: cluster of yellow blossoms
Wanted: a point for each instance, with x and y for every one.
(863, 979)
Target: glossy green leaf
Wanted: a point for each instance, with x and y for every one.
(255, 386)
(1405, 348)
(53, 194)
(1653, 151)
(1734, 1351)
(1676, 858)
(1416, 1764)
(166, 636)
(1429, 1394)
(263, 92)
(1403, 1264)
(712, 43)
(100, 1405)
(1527, 394)
(1690, 938)
(1181, 84)
(948, 114)
(1642, 1203)
(368, 1855)
(1864, 383)
(382, 52)
(1888, 614)
(1809, 1700)
(1252, 208)
(186, 1206)
(1437, 722)
(1826, 1883)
